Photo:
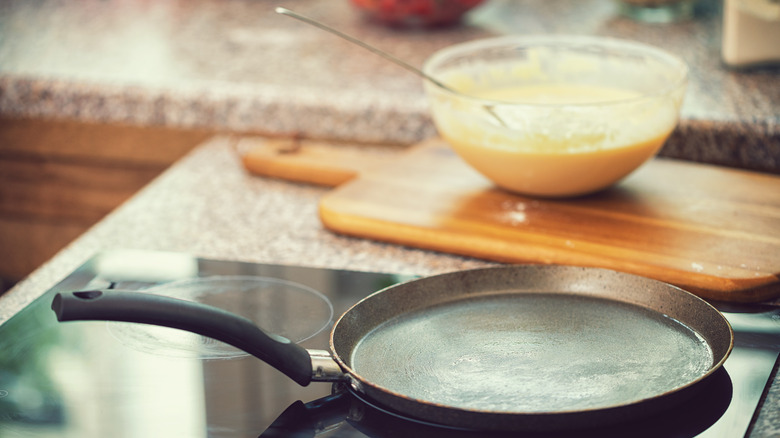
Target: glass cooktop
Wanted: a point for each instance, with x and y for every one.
(100, 379)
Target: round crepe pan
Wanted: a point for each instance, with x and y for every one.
(530, 347)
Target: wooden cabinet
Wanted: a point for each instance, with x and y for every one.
(58, 178)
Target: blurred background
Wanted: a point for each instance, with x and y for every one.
(98, 97)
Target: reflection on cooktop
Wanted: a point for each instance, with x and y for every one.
(308, 419)
(83, 380)
(285, 308)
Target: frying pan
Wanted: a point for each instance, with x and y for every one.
(510, 348)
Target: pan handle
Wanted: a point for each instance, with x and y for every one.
(112, 305)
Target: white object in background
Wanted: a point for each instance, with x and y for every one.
(145, 266)
(751, 32)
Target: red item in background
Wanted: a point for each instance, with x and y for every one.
(415, 12)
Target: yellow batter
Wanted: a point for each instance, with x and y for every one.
(576, 139)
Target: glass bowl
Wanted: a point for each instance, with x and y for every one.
(555, 116)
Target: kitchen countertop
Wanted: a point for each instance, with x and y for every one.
(209, 206)
(235, 65)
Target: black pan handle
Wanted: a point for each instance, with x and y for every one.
(111, 305)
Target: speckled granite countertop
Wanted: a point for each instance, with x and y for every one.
(237, 216)
(236, 65)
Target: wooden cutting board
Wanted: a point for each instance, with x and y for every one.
(711, 230)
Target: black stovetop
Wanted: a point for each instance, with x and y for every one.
(98, 379)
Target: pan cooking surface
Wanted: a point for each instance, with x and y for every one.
(532, 352)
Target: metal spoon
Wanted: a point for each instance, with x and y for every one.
(387, 56)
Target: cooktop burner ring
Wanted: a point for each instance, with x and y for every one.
(278, 306)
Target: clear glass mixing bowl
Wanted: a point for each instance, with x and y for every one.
(555, 116)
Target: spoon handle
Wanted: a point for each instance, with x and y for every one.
(370, 48)
(284, 11)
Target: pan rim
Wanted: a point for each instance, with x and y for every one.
(378, 392)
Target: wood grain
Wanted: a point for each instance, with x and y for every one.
(60, 177)
(711, 230)
(309, 161)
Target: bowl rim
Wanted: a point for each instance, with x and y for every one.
(679, 65)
